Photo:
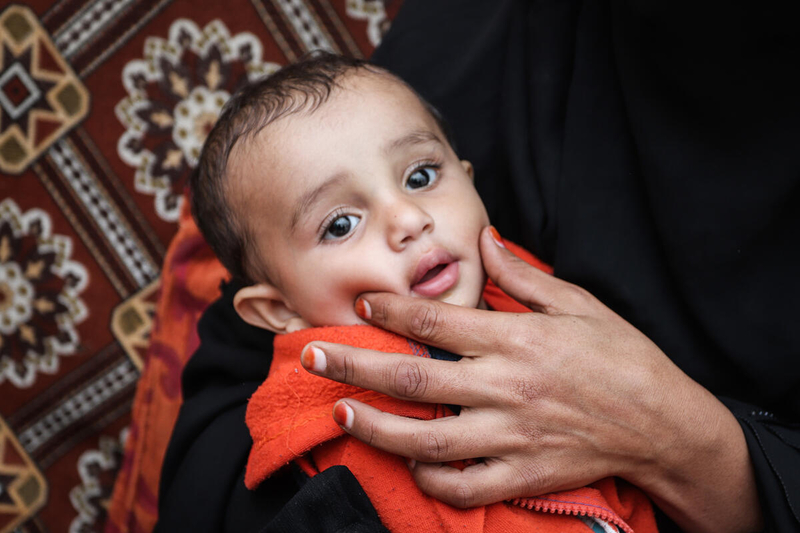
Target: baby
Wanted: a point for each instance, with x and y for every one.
(342, 181)
(329, 179)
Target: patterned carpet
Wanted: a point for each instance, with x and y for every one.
(104, 105)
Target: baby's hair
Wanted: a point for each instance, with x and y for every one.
(301, 86)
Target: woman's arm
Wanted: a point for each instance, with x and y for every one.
(553, 399)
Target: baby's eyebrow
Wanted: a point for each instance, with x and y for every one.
(413, 138)
(309, 198)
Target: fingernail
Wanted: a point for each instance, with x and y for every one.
(496, 237)
(411, 463)
(363, 309)
(343, 415)
(313, 359)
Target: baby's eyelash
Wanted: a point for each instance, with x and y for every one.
(323, 228)
(429, 163)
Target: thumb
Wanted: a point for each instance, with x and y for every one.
(525, 283)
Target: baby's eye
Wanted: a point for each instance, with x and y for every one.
(341, 226)
(422, 177)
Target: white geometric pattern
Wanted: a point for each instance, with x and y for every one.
(87, 497)
(87, 24)
(78, 405)
(112, 227)
(22, 299)
(15, 110)
(375, 15)
(305, 25)
(197, 112)
(165, 53)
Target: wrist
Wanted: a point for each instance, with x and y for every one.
(699, 471)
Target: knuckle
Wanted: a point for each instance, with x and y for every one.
(371, 436)
(424, 321)
(523, 338)
(525, 390)
(382, 311)
(533, 480)
(503, 278)
(348, 368)
(433, 447)
(528, 434)
(463, 496)
(579, 296)
(410, 380)
(526, 335)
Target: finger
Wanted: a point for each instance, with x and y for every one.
(442, 439)
(479, 484)
(461, 330)
(527, 284)
(407, 377)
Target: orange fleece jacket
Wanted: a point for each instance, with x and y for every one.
(289, 418)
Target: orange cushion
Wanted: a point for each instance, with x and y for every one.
(190, 281)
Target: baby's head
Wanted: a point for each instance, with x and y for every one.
(329, 179)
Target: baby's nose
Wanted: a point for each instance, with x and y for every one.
(407, 221)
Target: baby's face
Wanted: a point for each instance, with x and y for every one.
(364, 194)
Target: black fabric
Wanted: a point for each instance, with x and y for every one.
(648, 150)
(202, 479)
(334, 502)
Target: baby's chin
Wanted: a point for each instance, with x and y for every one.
(461, 299)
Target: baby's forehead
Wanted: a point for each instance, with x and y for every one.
(360, 102)
(360, 89)
(347, 97)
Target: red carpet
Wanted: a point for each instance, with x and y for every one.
(104, 105)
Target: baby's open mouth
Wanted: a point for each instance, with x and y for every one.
(432, 273)
(437, 280)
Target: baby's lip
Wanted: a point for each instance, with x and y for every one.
(441, 282)
(437, 256)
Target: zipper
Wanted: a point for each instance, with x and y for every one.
(572, 508)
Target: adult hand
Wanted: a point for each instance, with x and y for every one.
(553, 399)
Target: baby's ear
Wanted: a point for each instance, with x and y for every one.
(264, 306)
(468, 169)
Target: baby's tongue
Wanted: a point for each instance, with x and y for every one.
(432, 273)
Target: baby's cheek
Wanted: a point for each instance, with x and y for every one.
(367, 282)
(336, 306)
(327, 311)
